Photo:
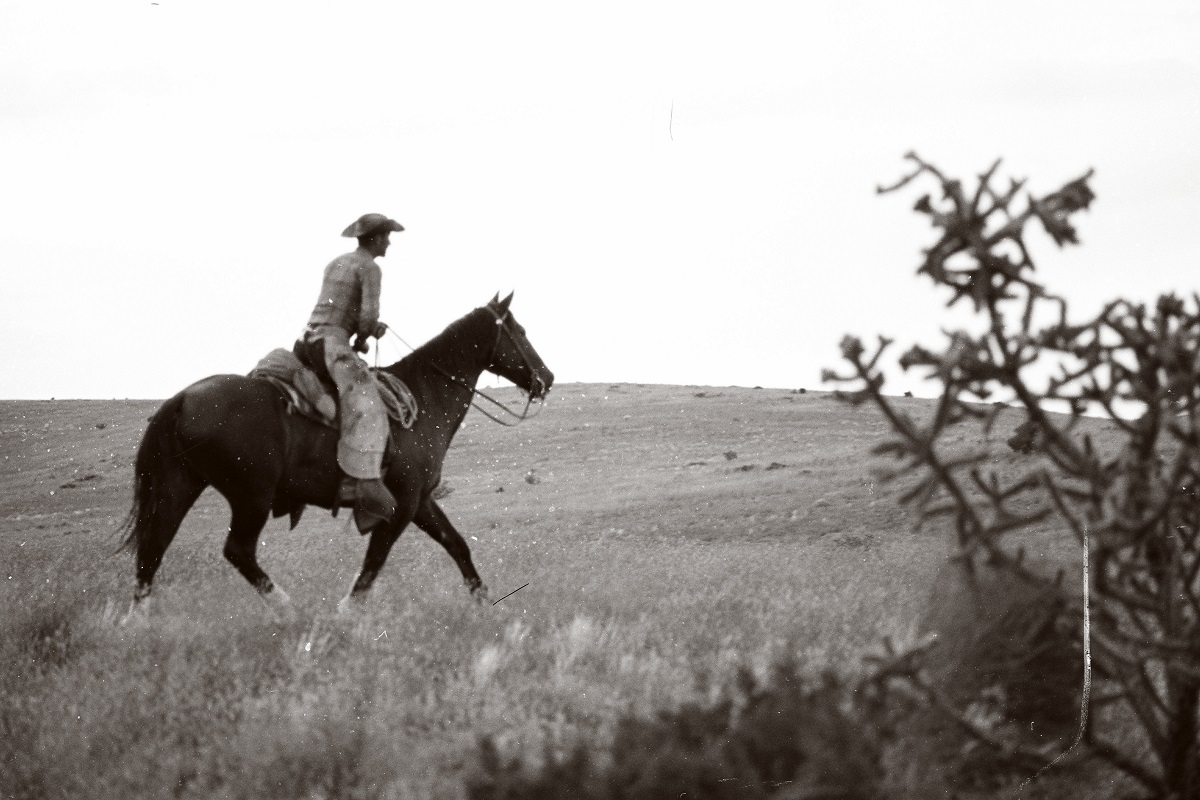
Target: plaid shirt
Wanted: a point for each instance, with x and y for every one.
(349, 294)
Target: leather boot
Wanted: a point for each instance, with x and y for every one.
(372, 502)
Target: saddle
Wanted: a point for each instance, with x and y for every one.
(310, 397)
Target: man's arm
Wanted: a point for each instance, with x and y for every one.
(368, 315)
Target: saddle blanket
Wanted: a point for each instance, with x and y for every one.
(309, 397)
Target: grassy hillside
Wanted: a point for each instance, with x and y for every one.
(665, 533)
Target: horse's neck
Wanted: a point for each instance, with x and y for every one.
(449, 364)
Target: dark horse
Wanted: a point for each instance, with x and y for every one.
(234, 433)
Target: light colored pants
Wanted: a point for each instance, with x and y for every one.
(364, 421)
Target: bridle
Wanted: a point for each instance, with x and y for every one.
(501, 327)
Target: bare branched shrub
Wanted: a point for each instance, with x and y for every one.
(1132, 509)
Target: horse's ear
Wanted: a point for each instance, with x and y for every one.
(506, 301)
(495, 299)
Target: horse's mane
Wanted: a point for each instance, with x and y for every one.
(446, 348)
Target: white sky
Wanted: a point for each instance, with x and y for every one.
(678, 193)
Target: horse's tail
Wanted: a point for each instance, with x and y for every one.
(151, 473)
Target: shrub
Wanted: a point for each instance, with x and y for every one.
(41, 633)
(1010, 657)
(1131, 509)
(790, 737)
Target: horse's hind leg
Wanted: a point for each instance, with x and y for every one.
(171, 505)
(249, 517)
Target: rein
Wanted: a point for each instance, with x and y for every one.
(517, 418)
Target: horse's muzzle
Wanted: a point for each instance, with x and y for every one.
(542, 381)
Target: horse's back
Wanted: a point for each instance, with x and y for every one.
(220, 401)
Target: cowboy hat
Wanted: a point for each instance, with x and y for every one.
(369, 223)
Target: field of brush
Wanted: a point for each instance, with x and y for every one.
(659, 536)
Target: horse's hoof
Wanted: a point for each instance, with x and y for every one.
(109, 615)
(480, 595)
(279, 606)
(137, 616)
(350, 606)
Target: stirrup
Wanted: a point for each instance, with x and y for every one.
(373, 504)
(347, 493)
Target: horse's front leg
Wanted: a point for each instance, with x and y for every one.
(378, 547)
(431, 519)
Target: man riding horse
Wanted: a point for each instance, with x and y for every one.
(349, 305)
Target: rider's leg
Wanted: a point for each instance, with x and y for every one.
(364, 432)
